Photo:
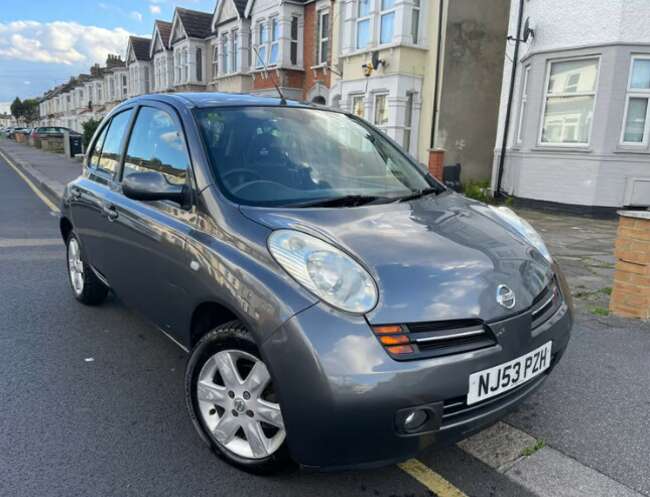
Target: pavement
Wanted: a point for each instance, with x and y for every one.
(92, 398)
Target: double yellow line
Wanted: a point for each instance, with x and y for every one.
(50, 205)
(430, 479)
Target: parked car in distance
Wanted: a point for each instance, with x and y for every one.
(340, 307)
(13, 131)
(44, 131)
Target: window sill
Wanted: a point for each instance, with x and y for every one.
(632, 149)
(375, 48)
(319, 66)
(559, 148)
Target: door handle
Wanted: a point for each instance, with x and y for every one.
(110, 211)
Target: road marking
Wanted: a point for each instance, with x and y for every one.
(430, 479)
(28, 242)
(50, 205)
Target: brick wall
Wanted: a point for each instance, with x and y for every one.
(285, 78)
(631, 291)
(310, 55)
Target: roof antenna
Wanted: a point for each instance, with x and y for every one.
(283, 101)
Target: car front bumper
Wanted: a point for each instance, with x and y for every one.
(341, 392)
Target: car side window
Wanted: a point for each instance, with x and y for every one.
(157, 144)
(96, 153)
(112, 147)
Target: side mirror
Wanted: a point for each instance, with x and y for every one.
(152, 185)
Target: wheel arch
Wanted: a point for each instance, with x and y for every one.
(207, 316)
(65, 226)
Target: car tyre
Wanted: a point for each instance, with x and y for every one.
(215, 406)
(87, 288)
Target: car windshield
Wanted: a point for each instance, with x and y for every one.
(283, 156)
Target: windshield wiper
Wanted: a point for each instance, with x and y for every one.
(343, 201)
(420, 193)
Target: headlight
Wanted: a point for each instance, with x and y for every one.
(324, 270)
(524, 228)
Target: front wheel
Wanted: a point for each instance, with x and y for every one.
(231, 400)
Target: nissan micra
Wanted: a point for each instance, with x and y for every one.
(340, 307)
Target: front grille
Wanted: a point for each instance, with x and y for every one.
(545, 304)
(435, 339)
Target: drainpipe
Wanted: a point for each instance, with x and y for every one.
(513, 74)
(436, 89)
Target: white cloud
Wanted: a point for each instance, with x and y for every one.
(154, 9)
(135, 15)
(59, 42)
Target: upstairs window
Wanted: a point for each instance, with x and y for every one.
(262, 40)
(363, 23)
(569, 102)
(636, 122)
(185, 63)
(294, 40)
(275, 41)
(387, 21)
(323, 36)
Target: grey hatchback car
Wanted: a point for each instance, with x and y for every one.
(340, 307)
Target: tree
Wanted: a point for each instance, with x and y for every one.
(30, 110)
(89, 130)
(17, 109)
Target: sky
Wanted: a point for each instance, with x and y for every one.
(44, 43)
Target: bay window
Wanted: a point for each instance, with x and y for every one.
(294, 40)
(275, 41)
(215, 61)
(224, 53)
(262, 40)
(323, 36)
(636, 124)
(235, 51)
(415, 21)
(522, 105)
(185, 64)
(199, 64)
(569, 102)
(381, 110)
(387, 21)
(177, 66)
(363, 23)
(358, 106)
(408, 121)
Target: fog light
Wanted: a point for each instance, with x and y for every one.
(415, 419)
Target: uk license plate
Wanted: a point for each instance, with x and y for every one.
(499, 379)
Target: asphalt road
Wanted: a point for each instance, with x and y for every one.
(91, 399)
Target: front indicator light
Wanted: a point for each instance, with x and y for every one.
(394, 340)
(400, 349)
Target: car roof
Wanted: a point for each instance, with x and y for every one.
(215, 99)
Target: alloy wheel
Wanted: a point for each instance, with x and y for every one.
(75, 266)
(238, 405)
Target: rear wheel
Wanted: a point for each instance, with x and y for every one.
(86, 286)
(232, 401)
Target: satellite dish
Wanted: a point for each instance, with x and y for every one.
(528, 31)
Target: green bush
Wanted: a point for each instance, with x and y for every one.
(89, 130)
(478, 190)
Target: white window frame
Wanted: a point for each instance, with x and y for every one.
(323, 39)
(293, 42)
(636, 93)
(382, 13)
(523, 101)
(594, 93)
(359, 20)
